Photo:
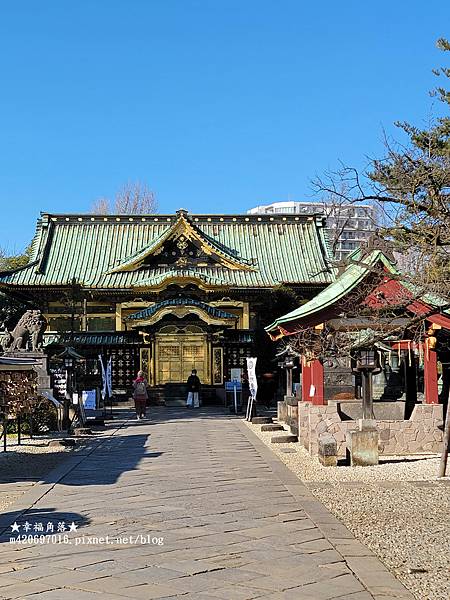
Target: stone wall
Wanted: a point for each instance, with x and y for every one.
(420, 434)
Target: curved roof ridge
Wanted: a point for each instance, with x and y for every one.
(184, 226)
(152, 309)
(353, 274)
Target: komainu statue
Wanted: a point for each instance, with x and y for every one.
(5, 339)
(28, 332)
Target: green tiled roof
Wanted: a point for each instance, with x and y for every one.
(91, 249)
(348, 280)
(183, 224)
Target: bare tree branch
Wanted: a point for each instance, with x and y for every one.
(134, 198)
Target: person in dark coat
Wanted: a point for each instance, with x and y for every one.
(267, 389)
(193, 386)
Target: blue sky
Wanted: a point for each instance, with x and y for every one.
(217, 105)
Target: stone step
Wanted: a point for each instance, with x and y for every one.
(124, 403)
(261, 420)
(284, 439)
(175, 402)
(272, 427)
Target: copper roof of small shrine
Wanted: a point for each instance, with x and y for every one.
(123, 252)
(315, 310)
(360, 265)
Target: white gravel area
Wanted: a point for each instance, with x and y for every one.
(23, 466)
(399, 509)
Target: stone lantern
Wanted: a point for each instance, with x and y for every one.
(362, 443)
(68, 356)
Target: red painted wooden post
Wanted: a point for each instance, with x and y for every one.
(306, 380)
(317, 382)
(430, 374)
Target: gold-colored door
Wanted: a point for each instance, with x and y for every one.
(177, 355)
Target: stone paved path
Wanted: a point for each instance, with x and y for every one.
(234, 523)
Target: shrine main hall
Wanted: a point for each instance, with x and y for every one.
(169, 293)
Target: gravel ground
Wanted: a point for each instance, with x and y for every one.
(22, 466)
(398, 509)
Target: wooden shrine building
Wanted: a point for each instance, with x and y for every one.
(167, 293)
(371, 303)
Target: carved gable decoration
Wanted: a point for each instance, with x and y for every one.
(180, 308)
(185, 246)
(179, 252)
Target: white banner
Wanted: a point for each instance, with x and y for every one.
(252, 381)
(104, 388)
(109, 377)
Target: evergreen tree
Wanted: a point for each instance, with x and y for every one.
(10, 308)
(411, 183)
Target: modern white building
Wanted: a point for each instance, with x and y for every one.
(349, 225)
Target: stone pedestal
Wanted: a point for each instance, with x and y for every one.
(292, 413)
(287, 438)
(261, 420)
(327, 453)
(39, 366)
(362, 444)
(281, 411)
(272, 427)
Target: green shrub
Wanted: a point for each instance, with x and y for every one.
(42, 417)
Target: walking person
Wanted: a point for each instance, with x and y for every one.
(140, 395)
(193, 385)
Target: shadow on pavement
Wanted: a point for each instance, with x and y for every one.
(18, 528)
(106, 463)
(19, 467)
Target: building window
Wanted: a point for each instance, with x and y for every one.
(101, 324)
(63, 324)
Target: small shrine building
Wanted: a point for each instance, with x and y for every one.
(412, 361)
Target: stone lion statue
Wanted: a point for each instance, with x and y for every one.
(5, 339)
(29, 329)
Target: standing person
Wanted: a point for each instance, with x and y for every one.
(140, 395)
(193, 385)
(266, 390)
